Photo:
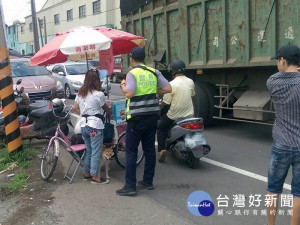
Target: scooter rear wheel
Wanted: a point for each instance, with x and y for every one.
(193, 162)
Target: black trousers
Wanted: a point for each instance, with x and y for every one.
(163, 125)
(142, 130)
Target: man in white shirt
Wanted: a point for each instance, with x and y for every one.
(180, 101)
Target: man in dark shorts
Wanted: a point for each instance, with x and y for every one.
(284, 88)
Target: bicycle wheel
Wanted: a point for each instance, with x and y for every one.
(49, 160)
(119, 152)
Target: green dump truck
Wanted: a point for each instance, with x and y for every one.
(226, 45)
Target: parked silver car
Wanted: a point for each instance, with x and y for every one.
(72, 74)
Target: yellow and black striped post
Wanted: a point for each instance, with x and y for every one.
(11, 121)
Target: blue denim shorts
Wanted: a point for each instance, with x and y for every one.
(282, 157)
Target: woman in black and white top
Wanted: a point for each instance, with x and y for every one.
(90, 104)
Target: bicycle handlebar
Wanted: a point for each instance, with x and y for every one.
(65, 111)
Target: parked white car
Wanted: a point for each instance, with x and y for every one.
(72, 74)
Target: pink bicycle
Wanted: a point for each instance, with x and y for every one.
(52, 150)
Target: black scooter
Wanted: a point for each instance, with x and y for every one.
(39, 122)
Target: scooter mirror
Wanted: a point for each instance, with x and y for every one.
(19, 81)
(102, 74)
(21, 90)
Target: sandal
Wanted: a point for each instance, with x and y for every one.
(87, 178)
(104, 181)
(95, 181)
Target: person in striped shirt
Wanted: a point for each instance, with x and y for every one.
(284, 88)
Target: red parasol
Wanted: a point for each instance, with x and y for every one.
(85, 41)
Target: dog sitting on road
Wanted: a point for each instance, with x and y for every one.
(106, 155)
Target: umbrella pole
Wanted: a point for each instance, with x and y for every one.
(87, 62)
(107, 86)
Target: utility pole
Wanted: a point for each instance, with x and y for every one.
(45, 31)
(40, 26)
(34, 25)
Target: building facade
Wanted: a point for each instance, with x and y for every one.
(60, 15)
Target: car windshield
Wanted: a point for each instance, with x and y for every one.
(22, 69)
(76, 69)
(94, 62)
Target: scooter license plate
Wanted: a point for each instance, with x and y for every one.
(195, 140)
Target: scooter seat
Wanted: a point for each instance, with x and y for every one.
(38, 105)
(38, 113)
(184, 119)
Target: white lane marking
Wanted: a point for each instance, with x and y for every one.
(240, 171)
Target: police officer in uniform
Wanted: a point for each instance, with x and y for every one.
(140, 88)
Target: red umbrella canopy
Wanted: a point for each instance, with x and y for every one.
(122, 43)
(50, 53)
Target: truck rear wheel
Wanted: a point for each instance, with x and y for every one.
(201, 104)
(211, 91)
(205, 101)
(114, 78)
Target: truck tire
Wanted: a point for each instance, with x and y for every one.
(114, 78)
(201, 104)
(211, 91)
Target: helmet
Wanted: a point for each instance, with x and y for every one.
(58, 105)
(22, 119)
(177, 66)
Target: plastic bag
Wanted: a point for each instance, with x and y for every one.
(194, 140)
(77, 128)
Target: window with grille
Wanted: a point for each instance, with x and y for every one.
(81, 11)
(70, 15)
(30, 26)
(56, 19)
(22, 29)
(96, 6)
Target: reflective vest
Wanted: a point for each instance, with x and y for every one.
(144, 101)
